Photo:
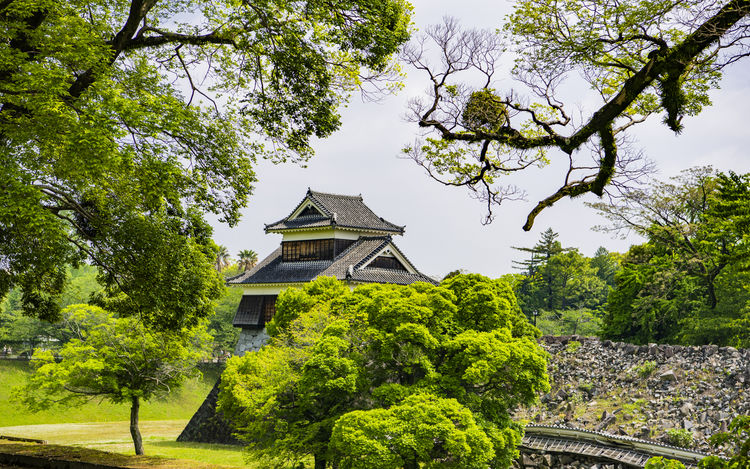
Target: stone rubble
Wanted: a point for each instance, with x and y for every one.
(664, 393)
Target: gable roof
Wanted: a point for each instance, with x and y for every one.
(272, 270)
(335, 210)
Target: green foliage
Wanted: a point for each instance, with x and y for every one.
(659, 462)
(24, 333)
(116, 359)
(563, 291)
(484, 111)
(105, 159)
(737, 441)
(405, 434)
(219, 324)
(583, 322)
(685, 284)
(293, 302)
(426, 362)
(644, 370)
(680, 437)
(572, 346)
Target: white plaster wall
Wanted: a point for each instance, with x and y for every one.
(322, 234)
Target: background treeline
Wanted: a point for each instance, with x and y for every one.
(561, 290)
(689, 282)
(23, 333)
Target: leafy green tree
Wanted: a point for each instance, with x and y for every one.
(247, 259)
(684, 285)
(219, 324)
(444, 363)
(642, 59)
(563, 289)
(737, 439)
(105, 159)
(116, 359)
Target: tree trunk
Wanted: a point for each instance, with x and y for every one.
(320, 462)
(134, 431)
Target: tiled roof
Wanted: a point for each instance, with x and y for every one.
(344, 211)
(273, 270)
(249, 312)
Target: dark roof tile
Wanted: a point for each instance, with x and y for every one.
(343, 211)
(273, 270)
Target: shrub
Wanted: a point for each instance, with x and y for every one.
(573, 346)
(645, 370)
(679, 437)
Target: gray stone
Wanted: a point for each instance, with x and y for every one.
(668, 375)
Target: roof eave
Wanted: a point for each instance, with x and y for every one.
(399, 231)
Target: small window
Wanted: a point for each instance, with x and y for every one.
(386, 262)
(310, 211)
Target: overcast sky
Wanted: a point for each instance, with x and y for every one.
(443, 225)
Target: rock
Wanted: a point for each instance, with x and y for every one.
(668, 376)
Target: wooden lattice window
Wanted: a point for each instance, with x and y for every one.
(311, 250)
(269, 308)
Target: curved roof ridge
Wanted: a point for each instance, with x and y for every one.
(313, 193)
(337, 210)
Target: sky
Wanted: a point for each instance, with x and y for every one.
(444, 229)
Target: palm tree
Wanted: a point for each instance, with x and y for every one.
(222, 258)
(248, 259)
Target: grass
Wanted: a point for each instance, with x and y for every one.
(105, 426)
(182, 404)
(78, 454)
(114, 437)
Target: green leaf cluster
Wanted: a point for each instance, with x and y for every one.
(389, 376)
(737, 440)
(112, 358)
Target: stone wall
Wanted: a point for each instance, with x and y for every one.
(250, 340)
(207, 424)
(531, 460)
(671, 394)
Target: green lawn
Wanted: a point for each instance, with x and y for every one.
(158, 440)
(104, 426)
(182, 404)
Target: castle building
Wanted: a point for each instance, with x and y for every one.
(325, 235)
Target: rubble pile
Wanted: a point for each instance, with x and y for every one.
(677, 395)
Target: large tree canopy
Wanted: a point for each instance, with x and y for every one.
(389, 376)
(122, 121)
(639, 57)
